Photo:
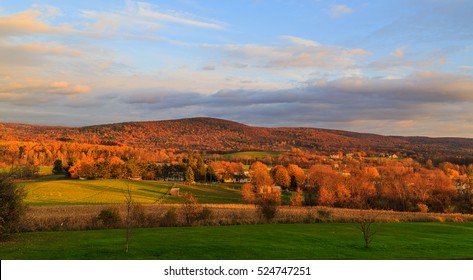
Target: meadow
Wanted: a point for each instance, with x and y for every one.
(56, 203)
(252, 154)
(324, 241)
(62, 223)
(111, 191)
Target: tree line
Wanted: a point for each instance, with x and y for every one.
(401, 185)
(346, 181)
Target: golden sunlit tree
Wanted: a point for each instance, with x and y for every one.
(259, 175)
(280, 176)
(297, 176)
(248, 193)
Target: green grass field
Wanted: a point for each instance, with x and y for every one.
(64, 192)
(43, 170)
(274, 241)
(253, 154)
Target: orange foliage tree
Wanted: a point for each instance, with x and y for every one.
(248, 193)
(297, 176)
(259, 175)
(280, 176)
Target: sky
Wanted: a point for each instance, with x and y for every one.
(401, 67)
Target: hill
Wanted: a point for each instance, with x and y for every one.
(217, 135)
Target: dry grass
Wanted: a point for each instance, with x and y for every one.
(84, 217)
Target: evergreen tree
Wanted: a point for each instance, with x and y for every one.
(189, 175)
(58, 169)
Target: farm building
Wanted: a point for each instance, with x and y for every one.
(174, 191)
(268, 189)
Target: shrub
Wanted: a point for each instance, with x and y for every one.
(310, 217)
(310, 196)
(12, 208)
(24, 172)
(297, 198)
(324, 214)
(439, 219)
(190, 209)
(247, 192)
(138, 216)
(458, 219)
(169, 219)
(422, 207)
(109, 217)
(268, 206)
(205, 215)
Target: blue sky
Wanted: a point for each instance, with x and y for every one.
(387, 67)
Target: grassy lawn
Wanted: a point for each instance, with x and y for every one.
(64, 192)
(275, 241)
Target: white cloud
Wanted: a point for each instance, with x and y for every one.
(294, 52)
(300, 41)
(63, 87)
(143, 21)
(119, 24)
(28, 22)
(48, 48)
(34, 92)
(400, 62)
(339, 10)
(147, 10)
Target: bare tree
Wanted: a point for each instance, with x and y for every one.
(368, 226)
(190, 208)
(129, 204)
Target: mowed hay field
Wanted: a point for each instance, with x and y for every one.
(110, 191)
(251, 242)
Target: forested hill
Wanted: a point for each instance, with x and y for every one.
(216, 135)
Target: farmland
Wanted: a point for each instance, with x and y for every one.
(108, 191)
(43, 170)
(62, 223)
(252, 154)
(274, 241)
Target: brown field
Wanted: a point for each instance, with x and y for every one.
(84, 217)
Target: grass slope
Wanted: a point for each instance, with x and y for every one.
(252, 154)
(275, 241)
(70, 192)
(43, 170)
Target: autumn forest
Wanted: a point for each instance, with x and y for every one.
(313, 166)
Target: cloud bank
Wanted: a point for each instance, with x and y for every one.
(141, 61)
